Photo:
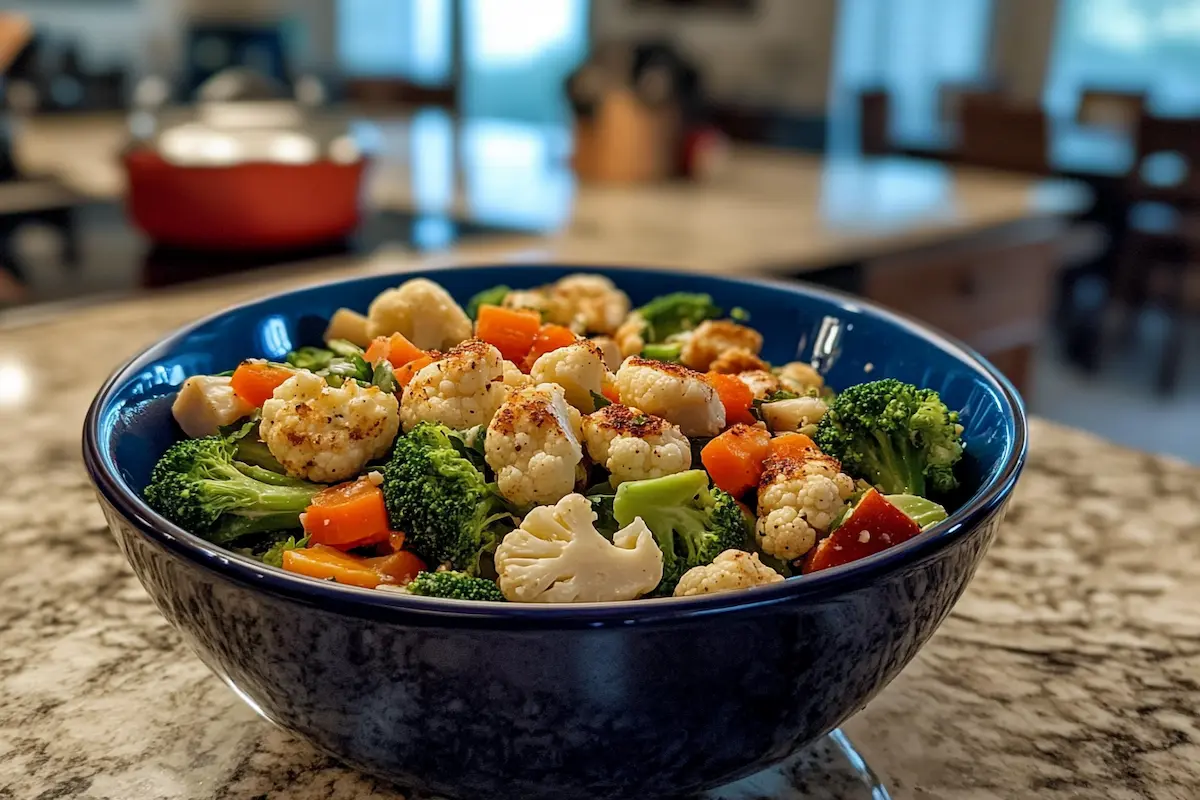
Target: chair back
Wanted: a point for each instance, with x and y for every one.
(998, 134)
(874, 120)
(1103, 109)
(1168, 161)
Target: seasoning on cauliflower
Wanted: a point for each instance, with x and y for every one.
(529, 300)
(633, 445)
(578, 368)
(558, 556)
(793, 415)
(423, 312)
(798, 499)
(762, 383)
(533, 446)
(460, 391)
(731, 571)
(587, 303)
(673, 392)
(712, 338)
(736, 360)
(611, 350)
(206, 403)
(799, 377)
(327, 434)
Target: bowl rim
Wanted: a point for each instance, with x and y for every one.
(837, 580)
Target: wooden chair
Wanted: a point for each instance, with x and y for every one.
(874, 120)
(1104, 109)
(996, 134)
(1163, 240)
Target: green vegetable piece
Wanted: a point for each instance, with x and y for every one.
(454, 586)
(922, 511)
(384, 377)
(902, 439)
(312, 359)
(344, 348)
(274, 556)
(691, 522)
(199, 486)
(600, 401)
(663, 352)
(739, 314)
(671, 314)
(440, 499)
(488, 297)
(353, 366)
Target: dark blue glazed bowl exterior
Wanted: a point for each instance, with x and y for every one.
(641, 699)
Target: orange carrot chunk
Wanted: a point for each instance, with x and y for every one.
(734, 459)
(256, 381)
(398, 568)
(405, 373)
(735, 396)
(512, 331)
(792, 445)
(611, 394)
(549, 337)
(395, 348)
(326, 563)
(348, 515)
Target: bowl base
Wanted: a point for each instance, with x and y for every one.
(829, 769)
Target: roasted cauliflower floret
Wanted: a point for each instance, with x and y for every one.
(612, 352)
(533, 444)
(793, 415)
(799, 377)
(558, 556)
(514, 378)
(423, 312)
(461, 390)
(731, 571)
(713, 337)
(736, 360)
(205, 403)
(761, 382)
(327, 434)
(633, 445)
(798, 499)
(673, 392)
(630, 336)
(529, 300)
(588, 303)
(578, 368)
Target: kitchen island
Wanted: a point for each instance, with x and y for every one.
(1070, 668)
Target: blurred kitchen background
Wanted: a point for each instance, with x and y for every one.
(1019, 173)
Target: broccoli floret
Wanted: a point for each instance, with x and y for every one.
(441, 500)
(675, 313)
(691, 522)
(488, 297)
(902, 439)
(199, 486)
(274, 555)
(454, 585)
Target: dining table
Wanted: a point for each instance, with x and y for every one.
(1070, 668)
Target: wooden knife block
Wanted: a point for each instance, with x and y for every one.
(626, 142)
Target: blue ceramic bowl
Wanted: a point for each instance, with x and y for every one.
(637, 699)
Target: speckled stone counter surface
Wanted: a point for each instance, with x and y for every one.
(1071, 668)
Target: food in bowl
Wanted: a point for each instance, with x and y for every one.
(551, 445)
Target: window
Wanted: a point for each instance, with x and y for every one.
(912, 48)
(1127, 45)
(409, 39)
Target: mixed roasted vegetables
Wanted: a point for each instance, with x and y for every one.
(551, 445)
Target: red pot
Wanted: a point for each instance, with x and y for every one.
(259, 206)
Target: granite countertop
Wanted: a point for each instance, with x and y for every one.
(1071, 667)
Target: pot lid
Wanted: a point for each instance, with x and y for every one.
(243, 117)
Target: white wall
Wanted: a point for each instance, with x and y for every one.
(780, 56)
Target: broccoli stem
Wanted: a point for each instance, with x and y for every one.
(662, 352)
